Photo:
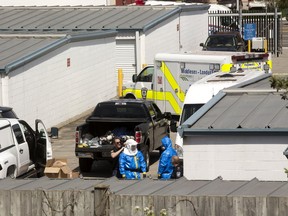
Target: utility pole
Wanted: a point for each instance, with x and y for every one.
(239, 10)
(275, 30)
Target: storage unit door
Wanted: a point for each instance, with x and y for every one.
(126, 60)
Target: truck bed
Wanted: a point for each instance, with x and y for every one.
(101, 128)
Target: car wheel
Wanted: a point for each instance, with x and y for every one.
(11, 172)
(85, 164)
(130, 96)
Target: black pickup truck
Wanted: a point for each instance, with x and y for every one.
(140, 119)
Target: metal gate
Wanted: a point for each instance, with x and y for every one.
(267, 25)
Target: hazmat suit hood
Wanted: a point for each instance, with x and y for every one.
(166, 142)
(130, 147)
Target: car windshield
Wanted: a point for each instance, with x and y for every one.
(189, 110)
(220, 41)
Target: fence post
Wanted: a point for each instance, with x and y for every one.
(275, 32)
(249, 45)
(101, 200)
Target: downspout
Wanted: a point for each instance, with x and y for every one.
(276, 53)
(179, 29)
(1, 89)
(137, 52)
(4, 89)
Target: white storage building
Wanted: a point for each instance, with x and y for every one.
(143, 31)
(240, 134)
(56, 77)
(35, 78)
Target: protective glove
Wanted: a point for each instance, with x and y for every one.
(144, 175)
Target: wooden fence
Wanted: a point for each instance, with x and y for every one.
(101, 202)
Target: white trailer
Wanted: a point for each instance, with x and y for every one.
(168, 81)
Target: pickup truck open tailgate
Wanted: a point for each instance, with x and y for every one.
(103, 152)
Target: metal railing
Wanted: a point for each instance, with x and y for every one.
(267, 25)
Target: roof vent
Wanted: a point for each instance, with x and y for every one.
(267, 126)
(227, 75)
(239, 126)
(210, 127)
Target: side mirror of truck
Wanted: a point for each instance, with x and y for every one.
(167, 115)
(201, 44)
(134, 78)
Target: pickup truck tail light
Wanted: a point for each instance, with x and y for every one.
(138, 136)
(77, 137)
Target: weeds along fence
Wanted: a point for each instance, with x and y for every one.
(101, 202)
(268, 25)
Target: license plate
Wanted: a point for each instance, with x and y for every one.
(85, 155)
(106, 154)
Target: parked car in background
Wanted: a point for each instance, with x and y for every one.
(7, 112)
(256, 4)
(224, 41)
(232, 4)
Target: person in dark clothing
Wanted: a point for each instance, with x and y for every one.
(177, 168)
(115, 153)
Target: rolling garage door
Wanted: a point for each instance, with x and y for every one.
(125, 57)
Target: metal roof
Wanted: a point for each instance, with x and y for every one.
(88, 18)
(17, 50)
(261, 82)
(182, 186)
(13, 48)
(244, 109)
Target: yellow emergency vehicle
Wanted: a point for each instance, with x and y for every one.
(167, 82)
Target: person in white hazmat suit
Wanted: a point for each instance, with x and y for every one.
(131, 161)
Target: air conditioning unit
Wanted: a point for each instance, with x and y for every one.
(258, 43)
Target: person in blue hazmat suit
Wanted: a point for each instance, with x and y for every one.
(165, 167)
(131, 161)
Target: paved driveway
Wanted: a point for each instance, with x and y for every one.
(63, 147)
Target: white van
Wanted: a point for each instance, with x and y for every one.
(22, 149)
(202, 91)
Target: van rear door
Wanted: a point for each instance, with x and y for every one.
(43, 145)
